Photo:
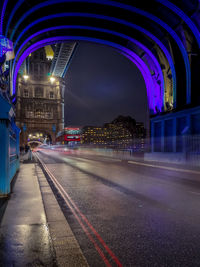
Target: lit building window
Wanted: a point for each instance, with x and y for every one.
(51, 95)
(39, 113)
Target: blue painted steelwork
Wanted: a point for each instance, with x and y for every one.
(2, 15)
(18, 4)
(132, 9)
(155, 66)
(166, 3)
(69, 62)
(184, 17)
(13, 150)
(9, 143)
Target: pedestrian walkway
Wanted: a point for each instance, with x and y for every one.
(34, 231)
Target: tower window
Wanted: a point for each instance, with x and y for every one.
(51, 94)
(38, 92)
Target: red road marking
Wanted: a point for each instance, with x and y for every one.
(73, 206)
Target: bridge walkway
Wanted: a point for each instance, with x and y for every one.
(33, 230)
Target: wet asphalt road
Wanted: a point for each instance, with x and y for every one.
(147, 216)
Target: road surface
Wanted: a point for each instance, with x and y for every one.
(125, 213)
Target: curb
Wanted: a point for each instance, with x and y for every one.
(66, 247)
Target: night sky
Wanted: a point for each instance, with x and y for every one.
(102, 84)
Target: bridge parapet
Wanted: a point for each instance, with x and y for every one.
(175, 131)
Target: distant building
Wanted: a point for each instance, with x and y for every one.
(116, 134)
(40, 101)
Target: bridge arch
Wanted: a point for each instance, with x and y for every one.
(162, 39)
(132, 9)
(157, 41)
(35, 141)
(155, 96)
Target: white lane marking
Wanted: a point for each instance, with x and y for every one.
(164, 167)
(108, 159)
(87, 159)
(195, 193)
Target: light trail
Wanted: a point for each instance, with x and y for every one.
(75, 210)
(164, 167)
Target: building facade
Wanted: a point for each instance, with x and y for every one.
(115, 135)
(40, 100)
(109, 136)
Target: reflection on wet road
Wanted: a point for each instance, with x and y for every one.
(147, 216)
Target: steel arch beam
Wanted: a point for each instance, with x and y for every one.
(120, 21)
(184, 17)
(156, 68)
(134, 10)
(165, 3)
(130, 54)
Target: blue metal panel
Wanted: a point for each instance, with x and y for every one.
(4, 166)
(169, 132)
(187, 124)
(195, 123)
(5, 108)
(13, 150)
(157, 136)
(9, 147)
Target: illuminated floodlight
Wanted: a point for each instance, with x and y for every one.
(25, 77)
(49, 52)
(52, 79)
(49, 57)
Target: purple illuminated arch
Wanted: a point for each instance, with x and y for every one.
(152, 61)
(131, 9)
(165, 3)
(183, 16)
(155, 99)
(120, 21)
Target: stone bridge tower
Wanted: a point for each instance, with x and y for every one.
(40, 99)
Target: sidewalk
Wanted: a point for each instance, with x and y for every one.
(33, 230)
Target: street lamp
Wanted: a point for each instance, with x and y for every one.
(25, 77)
(52, 79)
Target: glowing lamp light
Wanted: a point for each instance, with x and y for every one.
(25, 77)
(49, 57)
(52, 80)
(49, 52)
